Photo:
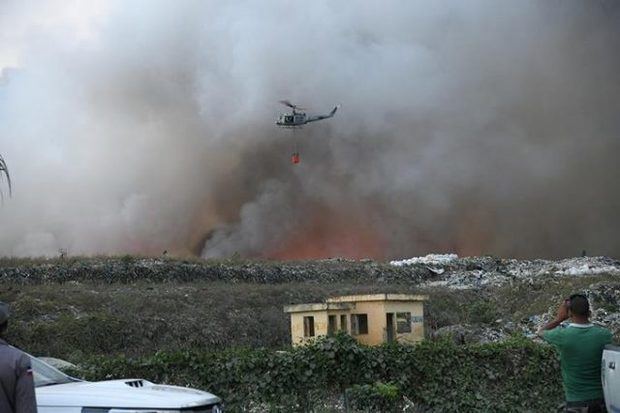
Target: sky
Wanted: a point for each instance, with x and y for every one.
(473, 127)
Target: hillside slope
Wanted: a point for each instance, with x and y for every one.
(131, 305)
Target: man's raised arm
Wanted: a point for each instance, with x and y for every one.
(561, 315)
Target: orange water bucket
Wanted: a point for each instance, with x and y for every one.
(295, 158)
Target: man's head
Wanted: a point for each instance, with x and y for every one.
(578, 306)
(4, 317)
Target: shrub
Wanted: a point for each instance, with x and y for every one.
(483, 312)
(516, 375)
(377, 397)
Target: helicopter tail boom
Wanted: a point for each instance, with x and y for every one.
(321, 117)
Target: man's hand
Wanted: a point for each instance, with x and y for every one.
(561, 315)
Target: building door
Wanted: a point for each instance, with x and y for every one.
(331, 325)
(389, 327)
(343, 323)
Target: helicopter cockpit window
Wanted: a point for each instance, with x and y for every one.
(288, 119)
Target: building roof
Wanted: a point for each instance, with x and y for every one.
(347, 302)
(377, 297)
(302, 308)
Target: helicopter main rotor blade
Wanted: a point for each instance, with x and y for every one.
(3, 168)
(290, 105)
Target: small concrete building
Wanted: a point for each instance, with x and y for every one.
(371, 318)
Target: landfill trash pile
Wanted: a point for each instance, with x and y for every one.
(478, 272)
(606, 310)
(479, 334)
(443, 270)
(485, 274)
(129, 269)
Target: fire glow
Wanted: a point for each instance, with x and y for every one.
(331, 237)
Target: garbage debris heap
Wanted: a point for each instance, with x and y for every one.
(475, 272)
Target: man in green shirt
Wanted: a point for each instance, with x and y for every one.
(580, 345)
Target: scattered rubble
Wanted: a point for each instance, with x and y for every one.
(473, 334)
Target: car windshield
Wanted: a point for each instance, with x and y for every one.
(45, 375)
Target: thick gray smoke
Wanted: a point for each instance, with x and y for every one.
(467, 126)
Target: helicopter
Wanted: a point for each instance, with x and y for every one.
(296, 119)
(3, 168)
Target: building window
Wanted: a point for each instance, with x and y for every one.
(343, 322)
(359, 324)
(309, 326)
(403, 323)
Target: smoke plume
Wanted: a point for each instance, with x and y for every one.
(478, 127)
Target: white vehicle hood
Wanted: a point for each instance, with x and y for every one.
(120, 394)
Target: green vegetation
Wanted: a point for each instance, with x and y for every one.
(69, 319)
(380, 397)
(515, 375)
(219, 325)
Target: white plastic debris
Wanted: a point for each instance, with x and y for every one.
(590, 270)
(432, 259)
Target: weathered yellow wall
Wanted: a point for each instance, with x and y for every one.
(376, 312)
(376, 321)
(417, 319)
(297, 325)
